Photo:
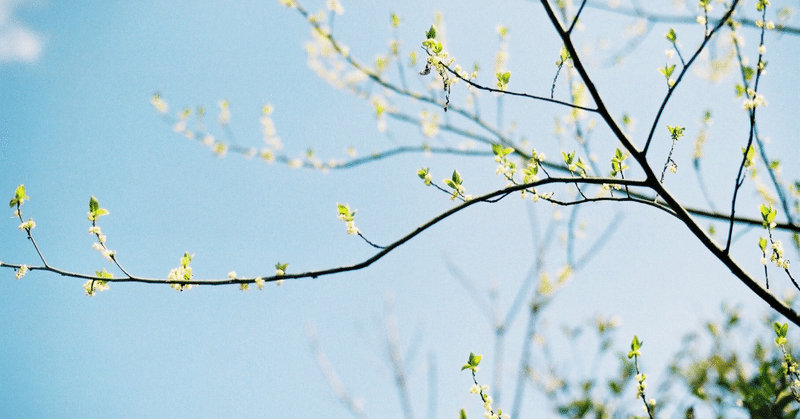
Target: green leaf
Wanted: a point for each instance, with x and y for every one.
(636, 344)
(768, 214)
(671, 36)
(500, 151)
(667, 70)
(748, 72)
(462, 414)
(457, 177)
(19, 197)
(504, 77)
(749, 154)
(474, 360)
(762, 243)
(676, 132)
(93, 205)
(431, 34)
(740, 90)
(19, 193)
(563, 56)
(581, 165)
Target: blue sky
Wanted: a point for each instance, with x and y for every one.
(76, 121)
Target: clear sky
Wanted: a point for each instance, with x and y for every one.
(76, 121)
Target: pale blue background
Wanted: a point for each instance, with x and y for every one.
(77, 122)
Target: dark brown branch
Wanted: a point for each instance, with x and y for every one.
(489, 197)
(651, 180)
(683, 72)
(519, 94)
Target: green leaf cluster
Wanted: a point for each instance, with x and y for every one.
(749, 154)
(280, 268)
(768, 214)
(636, 344)
(472, 363)
(94, 209)
(430, 41)
(617, 165)
(455, 183)
(424, 174)
(564, 57)
(501, 151)
(781, 330)
(667, 71)
(19, 197)
(574, 165)
(672, 36)
(344, 212)
(502, 79)
(676, 132)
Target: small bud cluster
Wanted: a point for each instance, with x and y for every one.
(182, 273)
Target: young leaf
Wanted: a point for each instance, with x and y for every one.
(456, 177)
(636, 344)
(500, 151)
(671, 36)
(431, 34)
(472, 363)
(568, 157)
(93, 204)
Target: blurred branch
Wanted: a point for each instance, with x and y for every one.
(331, 377)
(682, 19)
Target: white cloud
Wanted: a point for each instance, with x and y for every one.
(18, 43)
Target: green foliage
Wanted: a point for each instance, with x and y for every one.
(500, 150)
(280, 268)
(617, 165)
(636, 344)
(671, 36)
(94, 209)
(431, 33)
(19, 197)
(345, 214)
(472, 363)
(564, 58)
(676, 132)
(454, 183)
(667, 71)
(503, 79)
(768, 214)
(425, 175)
(781, 330)
(749, 155)
(727, 380)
